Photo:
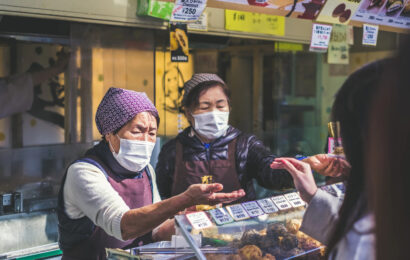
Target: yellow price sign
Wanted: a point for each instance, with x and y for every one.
(254, 22)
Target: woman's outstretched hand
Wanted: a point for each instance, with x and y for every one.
(210, 194)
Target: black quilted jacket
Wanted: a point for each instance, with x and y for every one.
(252, 161)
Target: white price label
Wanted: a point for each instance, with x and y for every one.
(237, 212)
(320, 37)
(268, 206)
(281, 202)
(199, 220)
(187, 10)
(252, 208)
(220, 216)
(294, 199)
(370, 33)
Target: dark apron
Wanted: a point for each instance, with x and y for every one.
(136, 193)
(191, 172)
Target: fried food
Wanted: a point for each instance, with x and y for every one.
(250, 252)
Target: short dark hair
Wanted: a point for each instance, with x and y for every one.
(192, 99)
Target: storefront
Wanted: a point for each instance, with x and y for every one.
(281, 92)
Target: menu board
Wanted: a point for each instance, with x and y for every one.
(384, 12)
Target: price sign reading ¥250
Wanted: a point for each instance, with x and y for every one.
(188, 10)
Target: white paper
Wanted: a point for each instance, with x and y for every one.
(199, 220)
(187, 10)
(370, 34)
(237, 212)
(220, 216)
(201, 24)
(320, 37)
(281, 202)
(252, 208)
(267, 206)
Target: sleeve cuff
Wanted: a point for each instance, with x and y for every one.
(116, 226)
(320, 216)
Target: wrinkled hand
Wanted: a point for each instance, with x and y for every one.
(328, 166)
(301, 174)
(209, 194)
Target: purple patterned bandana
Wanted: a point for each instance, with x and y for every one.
(120, 106)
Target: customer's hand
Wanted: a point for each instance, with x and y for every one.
(209, 194)
(301, 174)
(328, 166)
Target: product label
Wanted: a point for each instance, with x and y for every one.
(253, 208)
(281, 202)
(188, 10)
(220, 216)
(237, 212)
(294, 199)
(370, 34)
(268, 206)
(199, 220)
(320, 37)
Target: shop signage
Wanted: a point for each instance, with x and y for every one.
(220, 216)
(288, 46)
(370, 34)
(254, 22)
(338, 52)
(199, 220)
(155, 8)
(188, 10)
(294, 199)
(281, 202)
(338, 11)
(389, 13)
(267, 206)
(237, 212)
(320, 37)
(178, 42)
(252, 208)
(201, 24)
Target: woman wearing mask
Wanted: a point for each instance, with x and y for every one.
(212, 150)
(109, 198)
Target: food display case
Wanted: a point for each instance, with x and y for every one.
(263, 229)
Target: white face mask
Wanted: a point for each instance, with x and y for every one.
(134, 155)
(211, 125)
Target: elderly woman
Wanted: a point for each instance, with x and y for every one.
(211, 149)
(109, 198)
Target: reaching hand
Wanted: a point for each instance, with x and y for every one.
(328, 166)
(209, 194)
(301, 174)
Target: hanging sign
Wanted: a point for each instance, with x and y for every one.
(254, 22)
(252, 208)
(320, 37)
(370, 34)
(220, 216)
(384, 12)
(338, 52)
(178, 42)
(188, 10)
(199, 220)
(201, 24)
(338, 11)
(268, 206)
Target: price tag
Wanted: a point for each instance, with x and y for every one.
(268, 206)
(199, 220)
(320, 37)
(252, 208)
(237, 212)
(220, 216)
(294, 199)
(187, 10)
(370, 34)
(281, 202)
(201, 24)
